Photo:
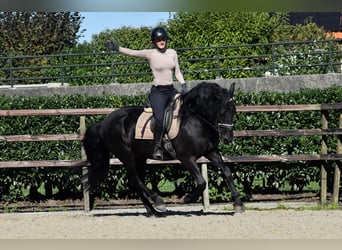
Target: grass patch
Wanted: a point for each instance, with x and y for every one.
(331, 206)
(283, 206)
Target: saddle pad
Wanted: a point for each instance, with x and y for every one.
(143, 130)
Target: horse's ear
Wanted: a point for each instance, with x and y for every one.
(232, 89)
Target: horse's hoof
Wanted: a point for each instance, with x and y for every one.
(239, 209)
(156, 214)
(187, 198)
(159, 204)
(160, 208)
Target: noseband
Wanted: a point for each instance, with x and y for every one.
(225, 125)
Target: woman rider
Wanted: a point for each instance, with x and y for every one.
(163, 63)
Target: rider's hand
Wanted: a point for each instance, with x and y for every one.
(184, 88)
(112, 46)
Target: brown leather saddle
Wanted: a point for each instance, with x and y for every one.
(145, 122)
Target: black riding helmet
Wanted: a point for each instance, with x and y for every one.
(159, 33)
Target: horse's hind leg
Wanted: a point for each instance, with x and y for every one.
(144, 193)
(98, 157)
(157, 200)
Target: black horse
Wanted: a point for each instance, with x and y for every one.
(206, 115)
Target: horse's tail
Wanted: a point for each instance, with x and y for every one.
(97, 155)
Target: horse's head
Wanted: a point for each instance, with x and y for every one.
(213, 105)
(226, 114)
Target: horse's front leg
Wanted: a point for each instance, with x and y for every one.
(216, 160)
(193, 168)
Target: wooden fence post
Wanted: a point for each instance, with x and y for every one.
(206, 190)
(324, 151)
(86, 196)
(337, 174)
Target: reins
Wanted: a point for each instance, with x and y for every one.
(205, 120)
(213, 126)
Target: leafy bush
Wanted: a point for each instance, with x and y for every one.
(19, 184)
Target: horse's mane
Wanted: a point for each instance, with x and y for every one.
(205, 98)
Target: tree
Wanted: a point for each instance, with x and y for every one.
(34, 33)
(37, 33)
(199, 29)
(196, 29)
(214, 39)
(288, 58)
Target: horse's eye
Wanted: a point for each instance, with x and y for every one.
(227, 101)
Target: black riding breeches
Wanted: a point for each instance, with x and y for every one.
(159, 97)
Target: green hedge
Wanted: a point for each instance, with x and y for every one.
(64, 183)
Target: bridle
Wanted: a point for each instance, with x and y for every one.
(214, 126)
(225, 125)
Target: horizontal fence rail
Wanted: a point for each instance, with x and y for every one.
(281, 58)
(324, 131)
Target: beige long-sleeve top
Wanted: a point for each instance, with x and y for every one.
(163, 65)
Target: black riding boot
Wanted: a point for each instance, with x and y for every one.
(158, 137)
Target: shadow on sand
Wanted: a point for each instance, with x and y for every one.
(168, 213)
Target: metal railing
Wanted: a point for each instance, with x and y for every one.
(231, 61)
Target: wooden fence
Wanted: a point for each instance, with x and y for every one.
(324, 131)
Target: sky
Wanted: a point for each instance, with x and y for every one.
(95, 22)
